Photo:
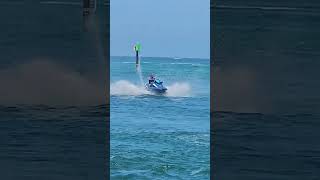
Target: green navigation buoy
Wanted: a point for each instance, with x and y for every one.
(137, 48)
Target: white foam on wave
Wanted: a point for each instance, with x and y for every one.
(179, 90)
(126, 88)
(139, 72)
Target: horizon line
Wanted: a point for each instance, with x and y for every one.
(162, 57)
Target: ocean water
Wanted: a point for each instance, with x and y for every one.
(160, 136)
(266, 100)
(46, 142)
(266, 90)
(53, 112)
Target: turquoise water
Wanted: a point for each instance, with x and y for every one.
(160, 137)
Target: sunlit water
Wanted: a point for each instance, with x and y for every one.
(160, 136)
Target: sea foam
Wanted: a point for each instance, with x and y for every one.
(126, 88)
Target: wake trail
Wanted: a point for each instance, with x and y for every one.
(125, 88)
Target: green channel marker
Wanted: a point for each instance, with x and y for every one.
(137, 48)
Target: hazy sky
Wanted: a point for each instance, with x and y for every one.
(165, 28)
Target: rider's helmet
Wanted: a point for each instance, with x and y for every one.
(151, 77)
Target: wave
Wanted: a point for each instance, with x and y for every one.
(182, 63)
(131, 62)
(126, 88)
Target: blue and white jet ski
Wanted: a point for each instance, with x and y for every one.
(155, 86)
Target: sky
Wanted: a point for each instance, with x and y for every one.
(166, 28)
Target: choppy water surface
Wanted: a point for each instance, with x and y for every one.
(45, 142)
(53, 117)
(160, 137)
(266, 119)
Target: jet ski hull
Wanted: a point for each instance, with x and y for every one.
(157, 90)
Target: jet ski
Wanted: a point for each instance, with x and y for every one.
(155, 86)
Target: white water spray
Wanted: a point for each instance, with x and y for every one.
(125, 88)
(179, 90)
(139, 72)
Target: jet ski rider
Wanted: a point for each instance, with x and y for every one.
(151, 79)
